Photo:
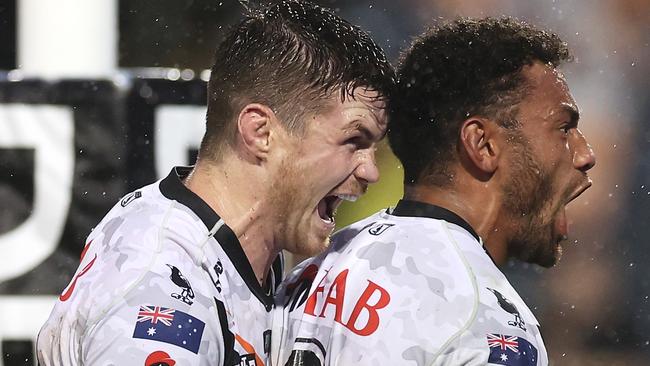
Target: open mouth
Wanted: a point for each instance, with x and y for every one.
(579, 191)
(327, 206)
(561, 221)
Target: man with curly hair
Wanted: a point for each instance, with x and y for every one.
(487, 131)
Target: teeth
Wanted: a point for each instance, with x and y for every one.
(347, 197)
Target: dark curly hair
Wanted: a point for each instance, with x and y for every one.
(469, 67)
(289, 56)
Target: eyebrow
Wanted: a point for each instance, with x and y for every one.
(357, 125)
(572, 110)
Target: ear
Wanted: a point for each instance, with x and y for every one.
(479, 144)
(254, 126)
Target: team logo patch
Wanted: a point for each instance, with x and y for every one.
(130, 198)
(379, 228)
(159, 358)
(511, 351)
(168, 325)
(509, 307)
(187, 294)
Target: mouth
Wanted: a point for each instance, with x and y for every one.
(561, 222)
(581, 188)
(327, 206)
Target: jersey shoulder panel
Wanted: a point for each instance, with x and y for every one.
(134, 272)
(170, 308)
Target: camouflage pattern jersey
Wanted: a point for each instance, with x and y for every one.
(411, 286)
(162, 281)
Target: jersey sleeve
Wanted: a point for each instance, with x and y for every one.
(162, 316)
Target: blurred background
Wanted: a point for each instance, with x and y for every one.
(123, 130)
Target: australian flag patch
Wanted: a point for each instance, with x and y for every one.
(168, 325)
(511, 351)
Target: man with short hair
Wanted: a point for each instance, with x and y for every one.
(487, 131)
(183, 271)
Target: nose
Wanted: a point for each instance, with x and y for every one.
(367, 170)
(583, 155)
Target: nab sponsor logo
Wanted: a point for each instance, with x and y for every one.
(363, 318)
(298, 291)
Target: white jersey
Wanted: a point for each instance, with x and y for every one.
(409, 287)
(162, 281)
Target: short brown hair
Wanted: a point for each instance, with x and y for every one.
(289, 57)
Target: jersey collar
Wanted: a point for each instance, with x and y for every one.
(421, 209)
(173, 188)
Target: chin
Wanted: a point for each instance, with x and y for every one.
(548, 261)
(546, 255)
(311, 247)
(541, 250)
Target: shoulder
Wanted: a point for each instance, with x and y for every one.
(125, 301)
(145, 222)
(383, 281)
(135, 250)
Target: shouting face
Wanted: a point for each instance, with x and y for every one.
(331, 161)
(548, 159)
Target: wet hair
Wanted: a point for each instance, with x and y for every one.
(292, 56)
(468, 67)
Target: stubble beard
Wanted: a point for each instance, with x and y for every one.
(527, 196)
(288, 199)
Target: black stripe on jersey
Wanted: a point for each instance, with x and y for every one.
(173, 188)
(421, 209)
(231, 357)
(277, 269)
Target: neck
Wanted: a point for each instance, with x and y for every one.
(226, 187)
(476, 204)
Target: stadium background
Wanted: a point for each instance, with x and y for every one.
(71, 148)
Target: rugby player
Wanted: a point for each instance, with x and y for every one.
(183, 271)
(487, 131)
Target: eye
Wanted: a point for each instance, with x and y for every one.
(354, 140)
(357, 142)
(565, 129)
